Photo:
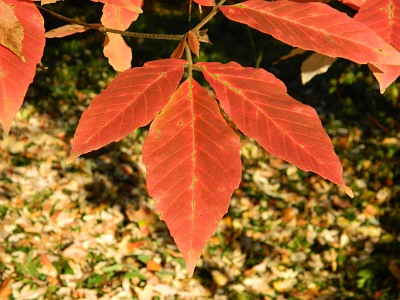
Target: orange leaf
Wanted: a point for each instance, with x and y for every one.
(119, 54)
(383, 17)
(205, 2)
(260, 107)
(132, 100)
(292, 23)
(178, 52)
(5, 290)
(193, 43)
(355, 4)
(192, 159)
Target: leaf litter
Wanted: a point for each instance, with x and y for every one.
(89, 230)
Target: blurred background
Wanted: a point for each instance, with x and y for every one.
(88, 230)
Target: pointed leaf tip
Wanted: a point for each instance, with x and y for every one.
(348, 191)
(71, 158)
(191, 259)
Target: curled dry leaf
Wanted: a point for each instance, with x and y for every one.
(202, 35)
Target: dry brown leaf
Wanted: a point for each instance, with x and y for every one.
(370, 210)
(142, 214)
(153, 266)
(219, 278)
(289, 214)
(314, 65)
(5, 289)
(294, 52)
(11, 30)
(44, 2)
(337, 201)
(66, 30)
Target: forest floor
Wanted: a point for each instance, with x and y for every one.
(89, 230)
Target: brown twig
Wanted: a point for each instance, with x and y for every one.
(103, 29)
(209, 16)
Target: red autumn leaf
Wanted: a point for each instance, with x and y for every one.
(178, 52)
(130, 5)
(383, 17)
(16, 75)
(293, 24)
(66, 30)
(192, 159)
(205, 2)
(132, 100)
(11, 30)
(307, 1)
(119, 54)
(355, 4)
(260, 107)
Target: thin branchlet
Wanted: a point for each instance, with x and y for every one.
(103, 29)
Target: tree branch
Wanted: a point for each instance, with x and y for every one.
(103, 29)
(209, 16)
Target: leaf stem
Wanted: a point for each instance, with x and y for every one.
(103, 29)
(189, 60)
(209, 16)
